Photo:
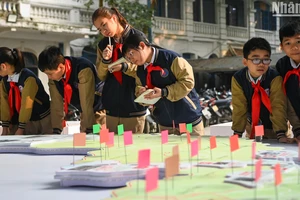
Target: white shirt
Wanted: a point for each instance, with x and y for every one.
(152, 59)
(13, 78)
(252, 79)
(294, 64)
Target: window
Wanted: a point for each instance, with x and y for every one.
(264, 16)
(168, 8)
(204, 15)
(174, 9)
(30, 61)
(160, 9)
(235, 13)
(188, 56)
(284, 20)
(197, 10)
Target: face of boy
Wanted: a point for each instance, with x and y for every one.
(137, 56)
(291, 47)
(107, 27)
(56, 74)
(256, 70)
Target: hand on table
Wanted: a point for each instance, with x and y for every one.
(19, 131)
(287, 140)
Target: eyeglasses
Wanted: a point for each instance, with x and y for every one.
(257, 61)
(129, 56)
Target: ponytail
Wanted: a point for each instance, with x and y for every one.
(19, 64)
(13, 57)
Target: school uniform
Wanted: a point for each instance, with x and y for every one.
(118, 91)
(259, 101)
(290, 73)
(180, 102)
(25, 104)
(80, 87)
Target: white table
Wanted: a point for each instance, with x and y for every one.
(31, 177)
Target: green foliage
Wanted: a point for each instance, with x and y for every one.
(89, 4)
(138, 15)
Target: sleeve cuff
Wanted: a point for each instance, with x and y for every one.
(280, 135)
(5, 124)
(89, 130)
(240, 134)
(56, 131)
(106, 61)
(296, 132)
(22, 125)
(164, 92)
(124, 67)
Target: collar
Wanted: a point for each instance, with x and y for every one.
(294, 64)
(152, 59)
(252, 79)
(13, 78)
(124, 35)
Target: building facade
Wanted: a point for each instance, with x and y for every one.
(215, 28)
(193, 28)
(32, 25)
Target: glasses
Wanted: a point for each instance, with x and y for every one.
(129, 56)
(257, 61)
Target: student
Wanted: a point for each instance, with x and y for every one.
(118, 92)
(257, 95)
(71, 81)
(289, 68)
(171, 77)
(25, 106)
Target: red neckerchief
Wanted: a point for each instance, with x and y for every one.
(288, 74)
(14, 93)
(151, 68)
(118, 74)
(67, 87)
(259, 94)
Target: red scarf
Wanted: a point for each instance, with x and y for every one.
(151, 68)
(14, 93)
(259, 95)
(67, 88)
(115, 56)
(288, 74)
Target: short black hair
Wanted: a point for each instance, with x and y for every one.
(256, 43)
(50, 58)
(289, 29)
(133, 42)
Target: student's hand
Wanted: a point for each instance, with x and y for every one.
(286, 140)
(19, 131)
(107, 52)
(5, 131)
(297, 139)
(115, 68)
(155, 94)
(141, 90)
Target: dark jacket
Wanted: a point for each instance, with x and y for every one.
(182, 102)
(118, 99)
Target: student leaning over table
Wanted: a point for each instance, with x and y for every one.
(289, 68)
(25, 106)
(72, 80)
(257, 95)
(171, 77)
